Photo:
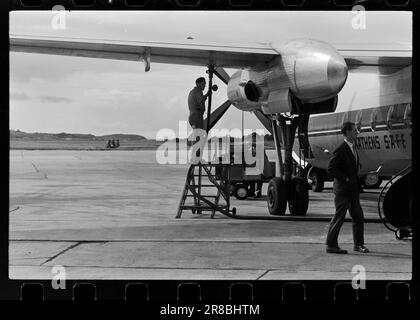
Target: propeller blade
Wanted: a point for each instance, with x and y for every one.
(222, 74)
(217, 114)
(265, 120)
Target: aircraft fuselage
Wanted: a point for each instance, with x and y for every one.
(380, 106)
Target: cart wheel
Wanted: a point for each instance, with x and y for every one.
(229, 189)
(241, 191)
(372, 181)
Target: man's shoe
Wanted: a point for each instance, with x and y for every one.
(362, 249)
(336, 250)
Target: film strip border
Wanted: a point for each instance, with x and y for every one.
(204, 291)
(200, 292)
(212, 4)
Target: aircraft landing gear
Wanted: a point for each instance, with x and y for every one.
(277, 196)
(287, 189)
(299, 197)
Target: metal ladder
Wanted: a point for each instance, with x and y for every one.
(203, 176)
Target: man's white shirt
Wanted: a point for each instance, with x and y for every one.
(351, 147)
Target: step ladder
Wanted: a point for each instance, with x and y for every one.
(206, 189)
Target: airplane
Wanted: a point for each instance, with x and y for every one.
(294, 85)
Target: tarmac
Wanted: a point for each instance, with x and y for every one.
(111, 215)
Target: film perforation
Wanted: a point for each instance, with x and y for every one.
(294, 3)
(84, 3)
(188, 3)
(398, 291)
(189, 292)
(241, 291)
(293, 291)
(344, 3)
(343, 291)
(31, 3)
(84, 291)
(32, 291)
(136, 3)
(397, 3)
(241, 3)
(136, 291)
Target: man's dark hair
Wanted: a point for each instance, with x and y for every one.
(347, 126)
(199, 80)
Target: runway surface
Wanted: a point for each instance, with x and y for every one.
(111, 215)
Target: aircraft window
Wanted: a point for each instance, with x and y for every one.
(407, 115)
(389, 117)
(373, 119)
(358, 121)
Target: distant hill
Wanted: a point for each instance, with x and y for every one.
(122, 137)
(20, 135)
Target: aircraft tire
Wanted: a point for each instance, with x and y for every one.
(299, 197)
(318, 179)
(241, 191)
(277, 196)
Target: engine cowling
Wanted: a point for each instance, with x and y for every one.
(243, 92)
(317, 72)
(305, 77)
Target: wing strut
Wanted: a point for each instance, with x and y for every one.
(216, 115)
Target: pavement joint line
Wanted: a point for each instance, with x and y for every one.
(264, 273)
(213, 268)
(192, 240)
(154, 268)
(17, 208)
(36, 169)
(219, 219)
(61, 252)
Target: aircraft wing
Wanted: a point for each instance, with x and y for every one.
(382, 55)
(190, 52)
(186, 53)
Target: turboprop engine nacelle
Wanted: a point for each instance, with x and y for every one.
(305, 77)
(243, 92)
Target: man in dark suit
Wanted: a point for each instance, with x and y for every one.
(344, 167)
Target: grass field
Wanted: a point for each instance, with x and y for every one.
(81, 145)
(21, 144)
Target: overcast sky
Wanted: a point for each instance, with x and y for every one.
(84, 95)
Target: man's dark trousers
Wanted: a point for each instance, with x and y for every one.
(342, 203)
(344, 165)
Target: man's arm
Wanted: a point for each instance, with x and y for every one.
(200, 98)
(334, 166)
